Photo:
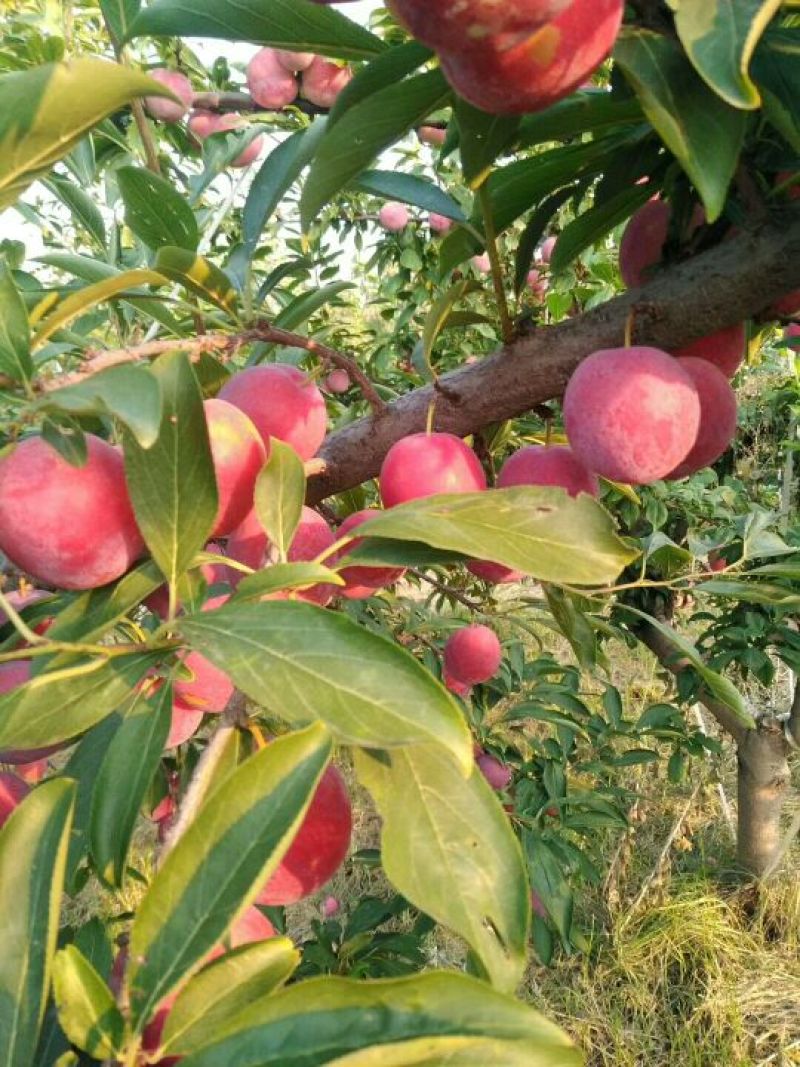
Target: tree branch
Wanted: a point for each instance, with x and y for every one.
(244, 102)
(718, 288)
(793, 722)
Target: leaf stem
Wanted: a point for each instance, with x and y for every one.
(506, 325)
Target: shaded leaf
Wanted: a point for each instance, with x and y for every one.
(87, 1010)
(198, 275)
(155, 211)
(15, 340)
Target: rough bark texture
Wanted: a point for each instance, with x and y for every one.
(738, 279)
(763, 784)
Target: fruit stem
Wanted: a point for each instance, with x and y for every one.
(430, 417)
(506, 326)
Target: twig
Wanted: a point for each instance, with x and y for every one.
(506, 325)
(146, 136)
(448, 590)
(244, 102)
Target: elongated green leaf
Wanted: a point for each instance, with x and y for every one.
(63, 703)
(46, 110)
(155, 211)
(753, 592)
(534, 231)
(94, 612)
(453, 1051)
(586, 112)
(596, 223)
(300, 310)
(438, 316)
(719, 37)
(295, 24)
(227, 852)
(123, 780)
(33, 851)
(279, 171)
(280, 494)
(703, 132)
(172, 485)
(448, 847)
(389, 67)
(224, 988)
(540, 531)
(777, 73)
(419, 192)
(128, 392)
(720, 687)
(353, 1015)
(285, 576)
(482, 137)
(364, 131)
(198, 275)
(87, 1010)
(15, 339)
(82, 207)
(119, 14)
(84, 299)
(302, 663)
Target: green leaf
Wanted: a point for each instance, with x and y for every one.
(453, 1051)
(482, 137)
(87, 1010)
(419, 192)
(549, 883)
(82, 208)
(225, 988)
(586, 112)
(33, 851)
(721, 688)
(439, 314)
(751, 592)
(279, 495)
(46, 110)
(719, 37)
(155, 211)
(300, 310)
(93, 613)
(276, 175)
(298, 25)
(15, 338)
(703, 132)
(447, 846)
(62, 311)
(128, 768)
(172, 485)
(543, 532)
(228, 851)
(198, 275)
(777, 73)
(285, 576)
(534, 231)
(303, 663)
(351, 1015)
(593, 225)
(127, 392)
(61, 704)
(363, 132)
(389, 67)
(119, 14)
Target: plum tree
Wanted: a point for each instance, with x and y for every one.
(250, 545)
(319, 847)
(552, 465)
(393, 217)
(718, 413)
(631, 414)
(472, 654)
(71, 527)
(281, 402)
(541, 68)
(238, 454)
(424, 464)
(170, 110)
(462, 25)
(13, 791)
(363, 581)
(322, 81)
(725, 349)
(270, 83)
(205, 123)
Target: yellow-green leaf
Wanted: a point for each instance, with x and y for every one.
(58, 314)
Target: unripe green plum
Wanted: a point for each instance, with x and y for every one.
(281, 402)
(631, 414)
(718, 413)
(319, 848)
(70, 527)
(426, 464)
(472, 655)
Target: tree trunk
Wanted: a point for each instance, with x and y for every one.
(762, 787)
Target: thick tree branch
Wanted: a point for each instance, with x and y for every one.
(736, 280)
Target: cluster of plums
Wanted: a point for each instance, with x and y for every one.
(272, 79)
(514, 57)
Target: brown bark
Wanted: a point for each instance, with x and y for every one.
(738, 279)
(763, 784)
